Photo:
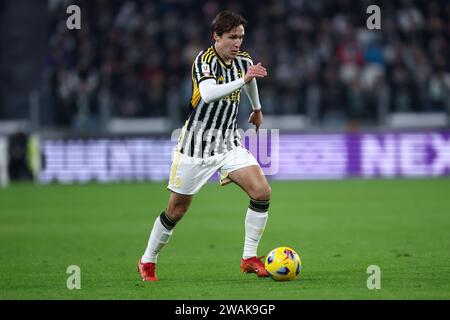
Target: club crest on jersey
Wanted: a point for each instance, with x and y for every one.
(205, 69)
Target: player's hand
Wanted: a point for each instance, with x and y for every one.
(256, 118)
(255, 71)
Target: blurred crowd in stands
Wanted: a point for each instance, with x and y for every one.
(133, 58)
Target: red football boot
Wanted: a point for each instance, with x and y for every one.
(254, 265)
(147, 271)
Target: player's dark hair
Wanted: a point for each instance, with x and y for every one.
(225, 21)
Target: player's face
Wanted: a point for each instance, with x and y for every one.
(229, 43)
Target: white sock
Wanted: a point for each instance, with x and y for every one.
(255, 223)
(159, 236)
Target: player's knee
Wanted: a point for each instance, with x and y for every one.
(268, 192)
(261, 193)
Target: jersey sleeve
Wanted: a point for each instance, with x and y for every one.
(202, 68)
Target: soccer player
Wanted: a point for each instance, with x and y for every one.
(210, 142)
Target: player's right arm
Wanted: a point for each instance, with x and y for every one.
(210, 91)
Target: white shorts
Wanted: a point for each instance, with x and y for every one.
(189, 174)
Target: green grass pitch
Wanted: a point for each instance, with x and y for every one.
(339, 228)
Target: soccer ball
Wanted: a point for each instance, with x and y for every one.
(283, 263)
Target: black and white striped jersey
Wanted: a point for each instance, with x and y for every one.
(211, 128)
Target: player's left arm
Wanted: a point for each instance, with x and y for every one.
(256, 117)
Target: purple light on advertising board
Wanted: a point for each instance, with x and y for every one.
(282, 157)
